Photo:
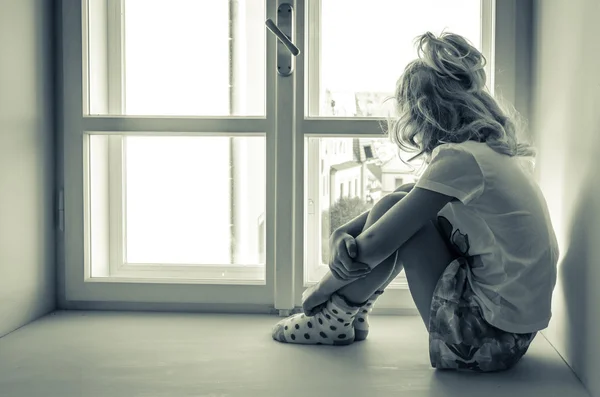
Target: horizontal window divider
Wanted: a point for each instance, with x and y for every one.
(194, 267)
(174, 126)
(163, 279)
(211, 273)
(335, 127)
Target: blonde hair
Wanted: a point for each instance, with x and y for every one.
(441, 98)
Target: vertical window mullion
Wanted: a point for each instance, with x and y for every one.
(286, 185)
(232, 110)
(116, 193)
(313, 41)
(312, 256)
(299, 142)
(116, 57)
(488, 28)
(117, 144)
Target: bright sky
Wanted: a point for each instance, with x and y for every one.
(366, 44)
(180, 47)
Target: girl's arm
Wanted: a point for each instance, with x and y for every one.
(329, 284)
(353, 227)
(399, 224)
(356, 225)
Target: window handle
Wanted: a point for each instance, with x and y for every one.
(282, 36)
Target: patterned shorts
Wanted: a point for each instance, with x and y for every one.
(459, 337)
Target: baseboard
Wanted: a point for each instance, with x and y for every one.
(208, 308)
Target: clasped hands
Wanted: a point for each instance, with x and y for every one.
(343, 267)
(343, 250)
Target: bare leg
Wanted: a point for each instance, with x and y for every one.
(392, 266)
(361, 289)
(406, 188)
(424, 257)
(328, 285)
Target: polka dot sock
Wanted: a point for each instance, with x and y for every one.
(361, 321)
(331, 326)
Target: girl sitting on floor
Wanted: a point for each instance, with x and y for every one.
(473, 235)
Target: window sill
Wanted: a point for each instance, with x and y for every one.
(138, 278)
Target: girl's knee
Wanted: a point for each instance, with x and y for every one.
(388, 201)
(406, 188)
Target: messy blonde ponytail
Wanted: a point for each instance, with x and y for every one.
(441, 98)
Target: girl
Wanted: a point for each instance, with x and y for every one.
(473, 235)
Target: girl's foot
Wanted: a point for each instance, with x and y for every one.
(331, 326)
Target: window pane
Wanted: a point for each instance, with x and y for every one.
(372, 164)
(195, 200)
(178, 57)
(360, 49)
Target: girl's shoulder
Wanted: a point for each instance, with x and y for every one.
(467, 146)
(474, 148)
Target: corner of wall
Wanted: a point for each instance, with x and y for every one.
(565, 100)
(57, 5)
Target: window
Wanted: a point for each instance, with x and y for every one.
(180, 164)
(356, 81)
(399, 182)
(136, 69)
(189, 214)
(346, 78)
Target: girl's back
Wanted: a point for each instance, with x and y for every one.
(501, 222)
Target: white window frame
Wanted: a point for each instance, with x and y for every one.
(117, 267)
(76, 126)
(284, 287)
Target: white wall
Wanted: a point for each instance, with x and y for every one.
(346, 177)
(27, 274)
(566, 122)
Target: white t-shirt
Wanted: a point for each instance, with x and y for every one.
(501, 223)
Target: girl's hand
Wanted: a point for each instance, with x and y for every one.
(343, 251)
(343, 248)
(313, 300)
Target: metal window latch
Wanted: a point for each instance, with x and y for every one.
(284, 30)
(311, 207)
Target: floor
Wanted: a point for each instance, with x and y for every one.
(168, 354)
